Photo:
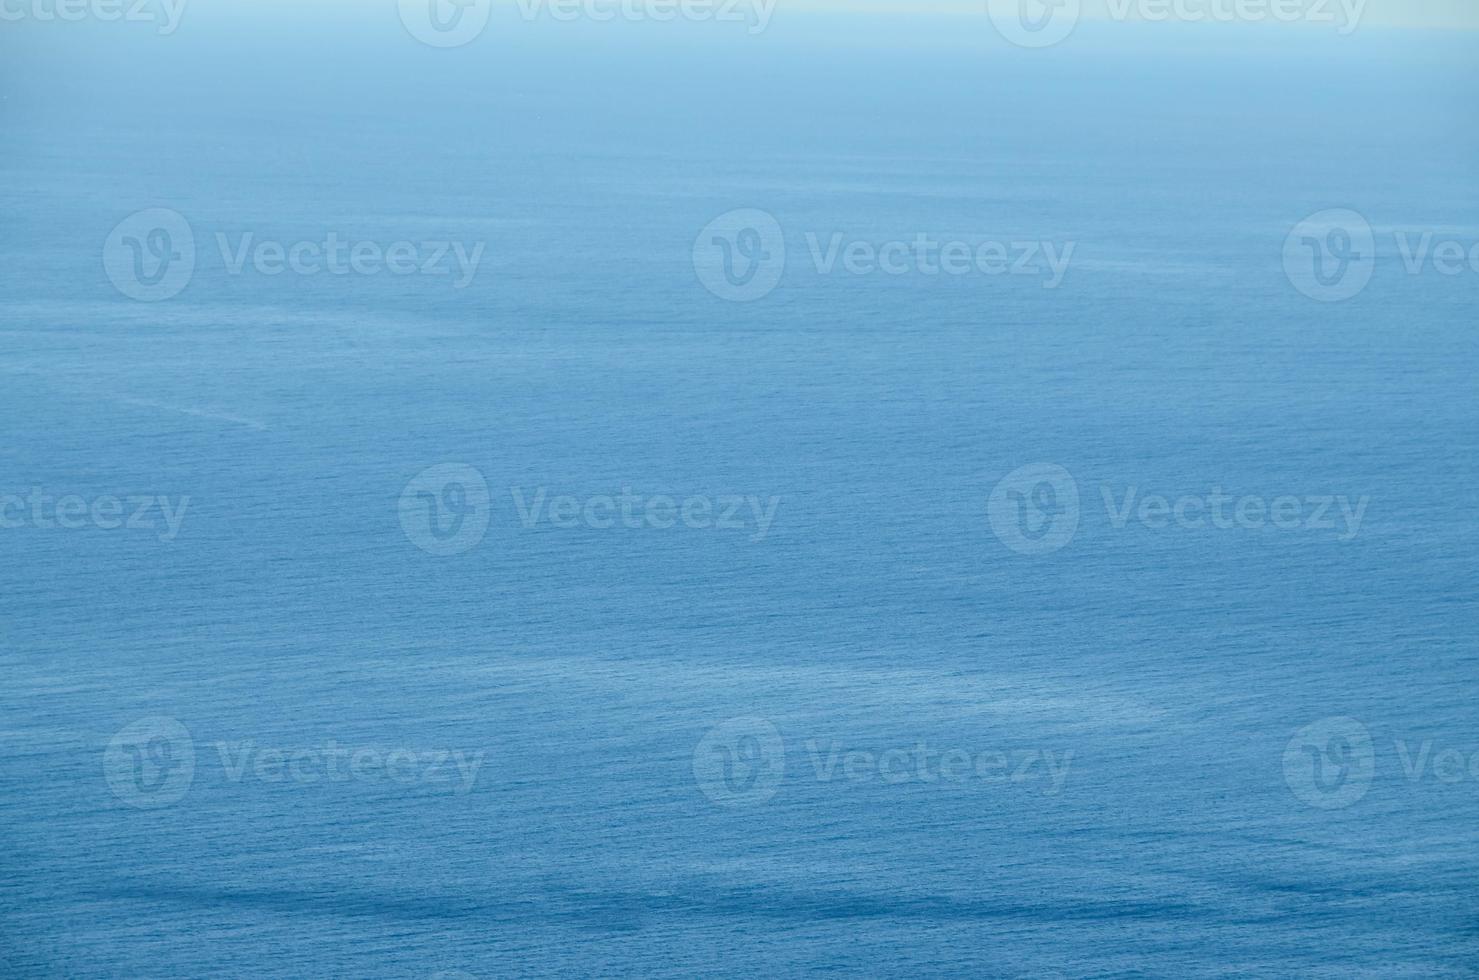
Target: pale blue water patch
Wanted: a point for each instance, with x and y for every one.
(879, 611)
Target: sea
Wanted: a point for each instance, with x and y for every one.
(860, 497)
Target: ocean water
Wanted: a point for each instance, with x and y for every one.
(682, 750)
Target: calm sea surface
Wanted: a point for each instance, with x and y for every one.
(565, 695)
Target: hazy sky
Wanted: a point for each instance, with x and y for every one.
(1408, 13)
(1426, 13)
(1462, 14)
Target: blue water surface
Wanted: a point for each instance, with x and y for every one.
(592, 670)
